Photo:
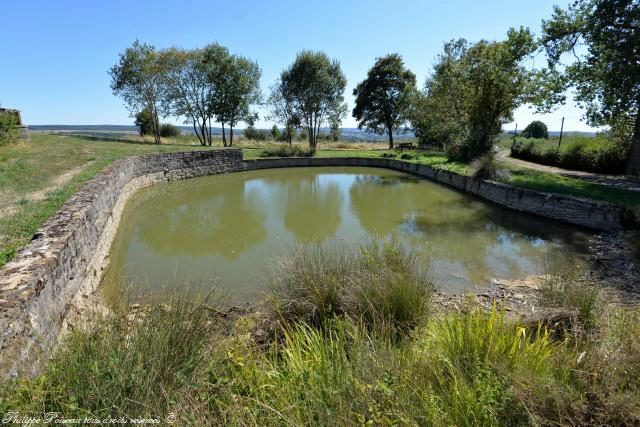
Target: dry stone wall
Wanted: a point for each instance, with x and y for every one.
(64, 261)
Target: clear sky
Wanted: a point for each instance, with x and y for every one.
(55, 54)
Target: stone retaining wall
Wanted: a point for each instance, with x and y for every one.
(65, 258)
(64, 261)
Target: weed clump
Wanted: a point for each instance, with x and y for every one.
(378, 283)
(286, 151)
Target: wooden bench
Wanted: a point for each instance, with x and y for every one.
(405, 146)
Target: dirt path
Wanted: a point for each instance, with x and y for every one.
(10, 204)
(610, 180)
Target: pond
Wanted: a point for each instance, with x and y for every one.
(233, 227)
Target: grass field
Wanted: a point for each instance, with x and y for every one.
(37, 177)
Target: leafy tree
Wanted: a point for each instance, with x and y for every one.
(536, 129)
(283, 111)
(603, 36)
(145, 123)
(383, 98)
(437, 115)
(315, 85)
(139, 79)
(237, 83)
(190, 89)
(473, 92)
(168, 130)
(275, 132)
(216, 64)
(335, 132)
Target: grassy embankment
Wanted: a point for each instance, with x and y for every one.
(599, 154)
(355, 340)
(37, 177)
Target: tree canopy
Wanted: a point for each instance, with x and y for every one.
(603, 39)
(283, 111)
(536, 129)
(383, 98)
(315, 84)
(237, 88)
(472, 92)
(139, 79)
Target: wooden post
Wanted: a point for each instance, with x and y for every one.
(561, 129)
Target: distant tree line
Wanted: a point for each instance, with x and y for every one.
(471, 93)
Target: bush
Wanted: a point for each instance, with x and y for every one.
(9, 132)
(256, 134)
(536, 129)
(286, 151)
(144, 121)
(169, 131)
(379, 284)
(600, 154)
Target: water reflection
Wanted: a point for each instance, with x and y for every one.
(202, 221)
(228, 226)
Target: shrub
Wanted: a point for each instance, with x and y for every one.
(9, 132)
(256, 134)
(275, 133)
(169, 131)
(144, 121)
(286, 151)
(380, 284)
(600, 154)
(536, 129)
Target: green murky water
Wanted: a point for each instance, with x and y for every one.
(233, 226)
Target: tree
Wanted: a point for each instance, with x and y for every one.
(603, 36)
(437, 115)
(536, 129)
(139, 79)
(275, 132)
(237, 82)
(383, 98)
(474, 90)
(315, 85)
(282, 111)
(335, 132)
(190, 90)
(219, 62)
(144, 122)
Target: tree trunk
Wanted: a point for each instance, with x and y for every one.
(224, 137)
(390, 132)
(633, 164)
(195, 129)
(230, 135)
(156, 125)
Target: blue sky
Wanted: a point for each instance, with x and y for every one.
(55, 54)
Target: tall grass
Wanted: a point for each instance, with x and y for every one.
(378, 283)
(122, 365)
(285, 151)
(566, 292)
(334, 361)
(460, 371)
